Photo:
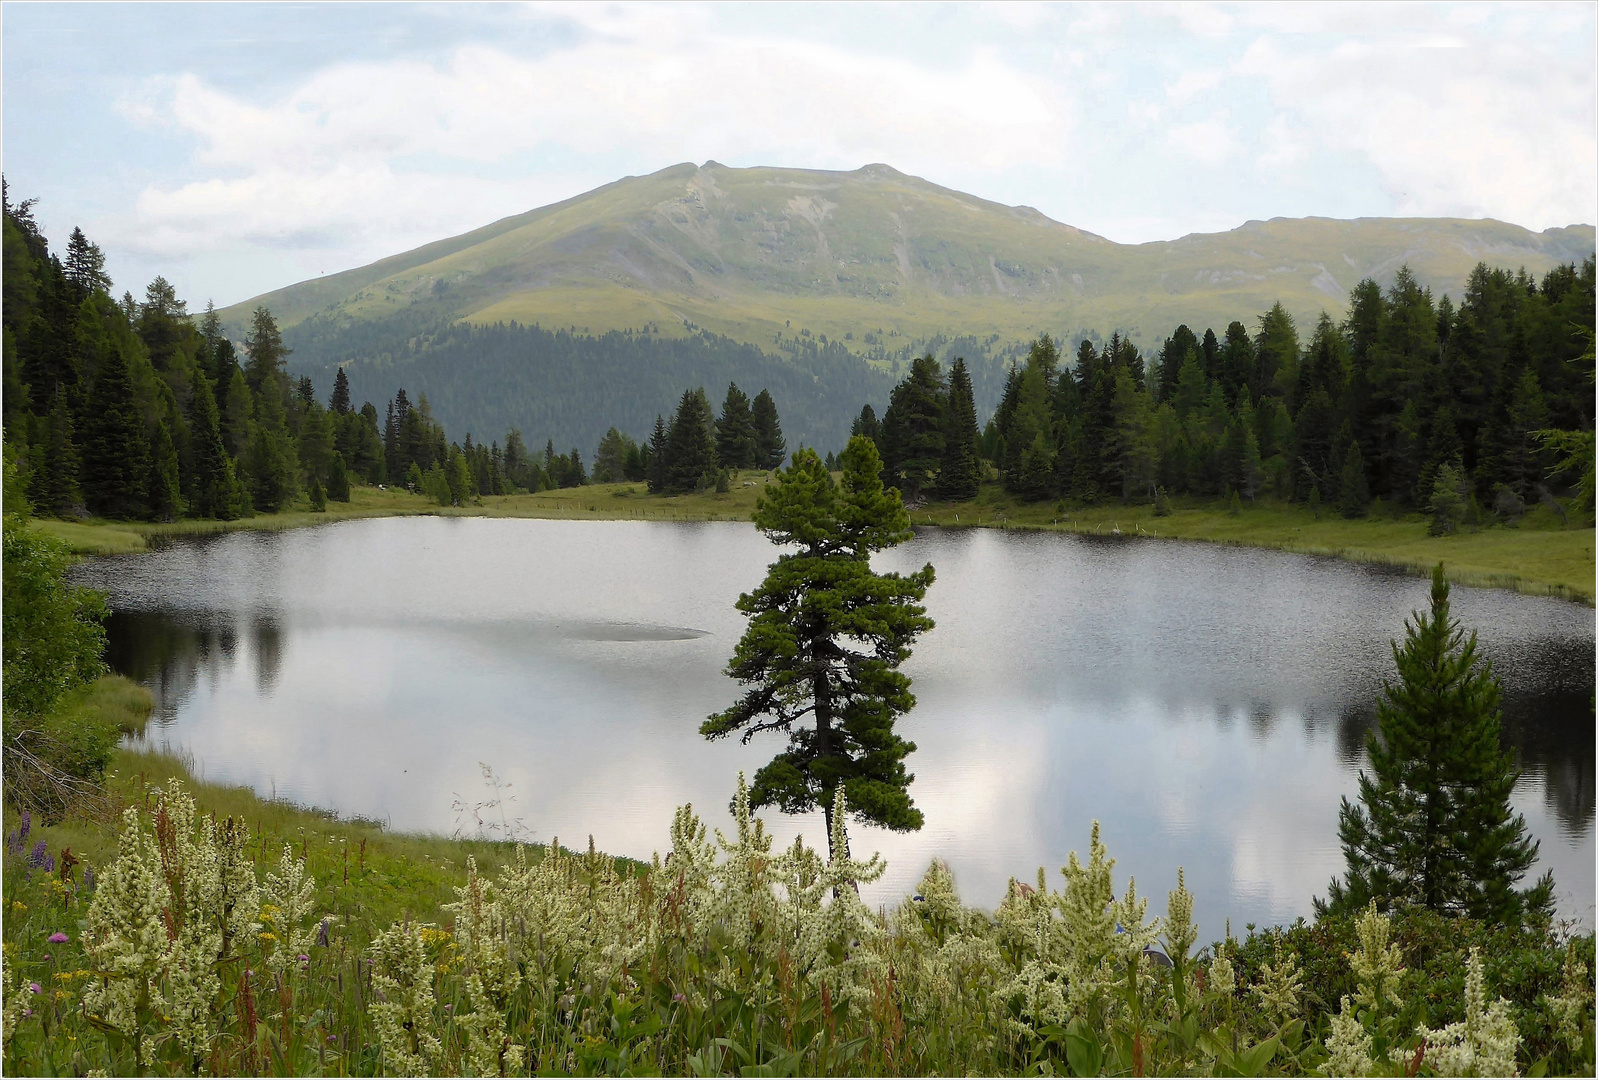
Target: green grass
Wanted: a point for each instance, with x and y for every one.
(113, 701)
(1542, 555)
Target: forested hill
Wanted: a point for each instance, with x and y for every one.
(486, 380)
(876, 259)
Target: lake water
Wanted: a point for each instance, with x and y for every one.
(1207, 704)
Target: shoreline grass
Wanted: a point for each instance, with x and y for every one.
(1542, 555)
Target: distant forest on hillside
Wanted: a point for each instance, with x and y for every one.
(571, 388)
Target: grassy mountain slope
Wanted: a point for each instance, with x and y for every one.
(763, 254)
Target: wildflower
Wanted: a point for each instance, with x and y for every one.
(58, 938)
(1349, 1045)
(1180, 929)
(404, 1015)
(303, 958)
(35, 988)
(288, 896)
(40, 858)
(1482, 1044)
(1573, 1004)
(1376, 963)
(1279, 986)
(1222, 977)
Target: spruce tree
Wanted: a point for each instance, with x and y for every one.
(866, 424)
(736, 444)
(1029, 444)
(340, 401)
(269, 465)
(1353, 492)
(770, 447)
(207, 488)
(912, 429)
(691, 452)
(53, 478)
(659, 457)
(961, 472)
(162, 489)
(116, 449)
(825, 640)
(338, 479)
(317, 496)
(1434, 827)
(85, 264)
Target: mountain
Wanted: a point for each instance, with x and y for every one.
(792, 260)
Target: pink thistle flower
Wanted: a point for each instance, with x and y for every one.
(58, 938)
(35, 988)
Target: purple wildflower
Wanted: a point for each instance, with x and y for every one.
(40, 858)
(35, 988)
(46, 957)
(302, 958)
(58, 938)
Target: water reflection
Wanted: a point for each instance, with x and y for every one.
(1208, 705)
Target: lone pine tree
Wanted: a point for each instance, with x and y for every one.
(825, 640)
(1435, 828)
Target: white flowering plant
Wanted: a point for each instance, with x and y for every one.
(199, 944)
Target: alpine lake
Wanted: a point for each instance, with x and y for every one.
(540, 679)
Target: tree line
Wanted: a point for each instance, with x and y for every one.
(1458, 411)
(135, 409)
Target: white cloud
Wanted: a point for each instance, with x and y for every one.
(1487, 126)
(1190, 84)
(1211, 141)
(324, 156)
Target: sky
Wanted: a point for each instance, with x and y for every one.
(238, 148)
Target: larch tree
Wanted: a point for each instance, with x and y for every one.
(1434, 827)
(825, 639)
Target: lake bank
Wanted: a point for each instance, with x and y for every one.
(1540, 556)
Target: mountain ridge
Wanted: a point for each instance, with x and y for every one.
(871, 254)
